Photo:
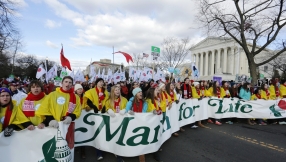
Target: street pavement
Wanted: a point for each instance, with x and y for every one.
(227, 143)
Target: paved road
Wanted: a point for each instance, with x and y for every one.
(227, 143)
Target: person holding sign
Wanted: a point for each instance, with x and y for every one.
(215, 91)
(32, 102)
(60, 105)
(186, 89)
(265, 93)
(96, 98)
(225, 93)
(274, 90)
(115, 102)
(166, 101)
(10, 117)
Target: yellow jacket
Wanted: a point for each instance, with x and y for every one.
(93, 97)
(17, 117)
(164, 102)
(264, 95)
(282, 90)
(151, 106)
(195, 93)
(175, 96)
(211, 92)
(57, 105)
(272, 93)
(223, 92)
(206, 93)
(254, 97)
(36, 120)
(123, 102)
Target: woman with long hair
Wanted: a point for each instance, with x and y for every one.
(215, 91)
(225, 92)
(234, 90)
(197, 94)
(274, 90)
(10, 116)
(115, 102)
(245, 94)
(32, 102)
(265, 93)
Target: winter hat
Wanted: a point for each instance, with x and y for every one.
(98, 80)
(77, 86)
(161, 85)
(136, 90)
(5, 90)
(196, 83)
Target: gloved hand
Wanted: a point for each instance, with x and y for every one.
(54, 123)
(177, 101)
(111, 113)
(159, 112)
(122, 112)
(67, 120)
(8, 132)
(131, 112)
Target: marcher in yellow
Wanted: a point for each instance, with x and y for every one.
(115, 102)
(165, 99)
(60, 105)
(10, 117)
(32, 102)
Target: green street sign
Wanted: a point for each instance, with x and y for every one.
(155, 49)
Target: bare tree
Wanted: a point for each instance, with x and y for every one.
(278, 64)
(254, 25)
(139, 60)
(174, 52)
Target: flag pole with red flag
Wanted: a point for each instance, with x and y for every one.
(64, 61)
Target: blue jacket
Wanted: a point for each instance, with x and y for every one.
(244, 94)
(129, 105)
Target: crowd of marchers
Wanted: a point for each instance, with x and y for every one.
(36, 104)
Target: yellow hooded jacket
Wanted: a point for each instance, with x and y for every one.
(17, 117)
(264, 95)
(57, 105)
(195, 93)
(151, 106)
(282, 90)
(36, 120)
(272, 93)
(93, 97)
(210, 90)
(165, 101)
(123, 102)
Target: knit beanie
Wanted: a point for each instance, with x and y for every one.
(136, 90)
(77, 86)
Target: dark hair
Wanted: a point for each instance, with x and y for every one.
(262, 87)
(11, 105)
(150, 94)
(244, 86)
(37, 83)
(214, 88)
(185, 79)
(168, 88)
(67, 77)
(256, 90)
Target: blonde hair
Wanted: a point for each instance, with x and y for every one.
(112, 95)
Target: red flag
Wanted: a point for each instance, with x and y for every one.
(64, 61)
(127, 56)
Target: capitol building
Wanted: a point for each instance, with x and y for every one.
(219, 56)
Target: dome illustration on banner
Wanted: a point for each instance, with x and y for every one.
(56, 150)
(278, 108)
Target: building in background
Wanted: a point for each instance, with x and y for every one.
(103, 64)
(219, 56)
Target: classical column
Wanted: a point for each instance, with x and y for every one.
(206, 64)
(218, 60)
(225, 60)
(201, 64)
(212, 62)
(232, 61)
(197, 60)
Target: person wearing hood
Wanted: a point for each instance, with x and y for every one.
(16, 94)
(10, 117)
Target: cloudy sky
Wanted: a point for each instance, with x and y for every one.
(89, 29)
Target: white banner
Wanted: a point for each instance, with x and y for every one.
(133, 135)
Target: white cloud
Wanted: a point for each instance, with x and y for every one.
(51, 44)
(129, 26)
(52, 24)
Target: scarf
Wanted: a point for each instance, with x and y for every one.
(157, 107)
(28, 106)
(117, 105)
(138, 107)
(258, 96)
(72, 102)
(172, 95)
(226, 90)
(277, 92)
(185, 91)
(124, 90)
(203, 90)
(198, 91)
(8, 115)
(166, 97)
(100, 97)
(218, 92)
(81, 100)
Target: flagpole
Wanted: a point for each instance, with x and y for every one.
(113, 59)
